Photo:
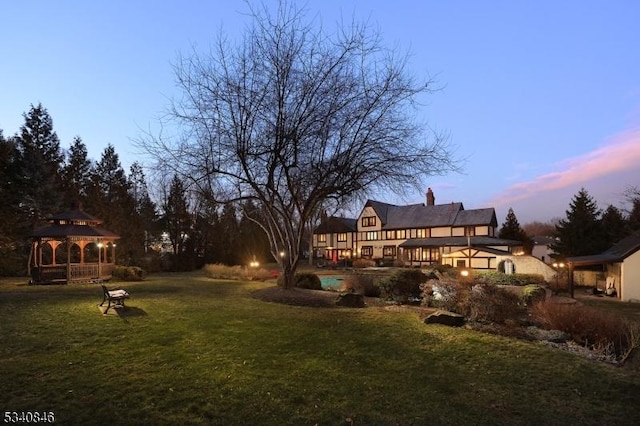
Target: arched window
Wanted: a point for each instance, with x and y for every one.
(47, 254)
(61, 253)
(110, 250)
(91, 253)
(74, 254)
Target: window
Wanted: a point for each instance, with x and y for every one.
(390, 235)
(342, 237)
(367, 251)
(371, 236)
(420, 233)
(344, 254)
(369, 221)
(389, 251)
(401, 234)
(322, 238)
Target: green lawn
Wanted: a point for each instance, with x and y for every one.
(190, 350)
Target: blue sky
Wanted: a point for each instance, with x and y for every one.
(542, 97)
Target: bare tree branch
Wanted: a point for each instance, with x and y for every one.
(294, 116)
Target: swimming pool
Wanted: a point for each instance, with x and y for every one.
(331, 282)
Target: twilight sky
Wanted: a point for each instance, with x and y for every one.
(542, 97)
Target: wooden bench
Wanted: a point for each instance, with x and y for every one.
(117, 296)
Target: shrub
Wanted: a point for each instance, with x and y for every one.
(590, 327)
(403, 285)
(307, 280)
(361, 284)
(444, 293)
(499, 278)
(533, 293)
(128, 273)
(236, 272)
(12, 264)
(364, 263)
(480, 302)
(224, 272)
(492, 303)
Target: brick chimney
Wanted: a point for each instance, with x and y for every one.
(431, 199)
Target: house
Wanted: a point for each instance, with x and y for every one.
(620, 264)
(335, 238)
(416, 235)
(542, 248)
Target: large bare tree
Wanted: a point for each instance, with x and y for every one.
(293, 116)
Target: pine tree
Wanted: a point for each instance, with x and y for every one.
(581, 233)
(614, 225)
(109, 199)
(40, 161)
(11, 263)
(511, 230)
(634, 215)
(632, 195)
(176, 218)
(252, 240)
(76, 172)
(206, 241)
(145, 208)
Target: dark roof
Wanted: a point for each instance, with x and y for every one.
(73, 223)
(620, 251)
(485, 216)
(475, 242)
(61, 231)
(430, 216)
(335, 224)
(75, 215)
(415, 215)
(543, 240)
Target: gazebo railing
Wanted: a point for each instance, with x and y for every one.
(77, 272)
(48, 274)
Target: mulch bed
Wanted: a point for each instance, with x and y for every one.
(297, 296)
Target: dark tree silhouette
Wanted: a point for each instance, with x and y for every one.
(581, 233)
(39, 164)
(511, 230)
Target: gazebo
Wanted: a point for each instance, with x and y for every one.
(72, 248)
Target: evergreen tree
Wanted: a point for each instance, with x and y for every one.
(252, 240)
(109, 199)
(228, 231)
(614, 225)
(8, 189)
(39, 162)
(146, 212)
(176, 219)
(206, 241)
(581, 233)
(76, 172)
(511, 230)
(11, 236)
(634, 215)
(633, 197)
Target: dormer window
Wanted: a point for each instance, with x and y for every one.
(369, 221)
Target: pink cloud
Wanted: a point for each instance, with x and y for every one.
(621, 153)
